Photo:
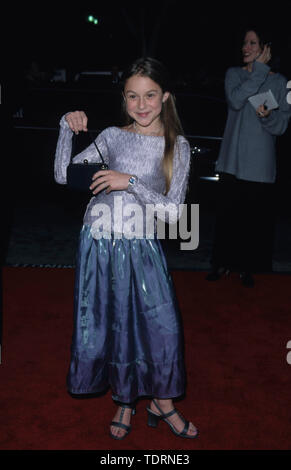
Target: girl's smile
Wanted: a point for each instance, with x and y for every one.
(143, 115)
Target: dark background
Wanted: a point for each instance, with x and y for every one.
(189, 37)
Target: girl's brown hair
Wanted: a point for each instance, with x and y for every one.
(155, 70)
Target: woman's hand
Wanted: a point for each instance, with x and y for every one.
(77, 121)
(263, 112)
(265, 56)
(110, 180)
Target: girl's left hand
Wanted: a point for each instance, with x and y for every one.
(110, 180)
(262, 111)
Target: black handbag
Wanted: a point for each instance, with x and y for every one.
(79, 175)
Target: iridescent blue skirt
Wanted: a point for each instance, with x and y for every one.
(127, 327)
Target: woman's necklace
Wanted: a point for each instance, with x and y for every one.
(153, 133)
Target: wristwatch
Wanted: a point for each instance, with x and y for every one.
(132, 181)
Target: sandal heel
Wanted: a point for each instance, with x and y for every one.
(153, 420)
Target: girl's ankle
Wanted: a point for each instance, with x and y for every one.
(163, 403)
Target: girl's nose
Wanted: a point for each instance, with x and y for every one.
(141, 103)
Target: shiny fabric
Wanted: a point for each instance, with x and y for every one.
(127, 328)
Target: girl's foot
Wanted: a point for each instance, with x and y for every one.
(122, 416)
(166, 406)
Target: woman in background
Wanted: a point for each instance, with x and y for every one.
(247, 165)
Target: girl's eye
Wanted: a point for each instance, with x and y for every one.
(151, 95)
(131, 97)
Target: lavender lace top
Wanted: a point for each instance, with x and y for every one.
(131, 212)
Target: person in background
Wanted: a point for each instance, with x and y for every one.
(246, 165)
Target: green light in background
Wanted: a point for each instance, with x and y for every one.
(92, 19)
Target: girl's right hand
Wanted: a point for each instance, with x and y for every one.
(265, 56)
(77, 121)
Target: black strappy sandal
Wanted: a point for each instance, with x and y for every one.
(119, 424)
(153, 421)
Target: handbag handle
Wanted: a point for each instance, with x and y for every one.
(93, 141)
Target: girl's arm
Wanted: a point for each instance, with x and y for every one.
(64, 149)
(237, 92)
(176, 195)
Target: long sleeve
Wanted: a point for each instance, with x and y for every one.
(64, 150)
(238, 92)
(168, 204)
(277, 122)
(248, 149)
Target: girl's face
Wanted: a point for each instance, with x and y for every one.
(144, 99)
(251, 48)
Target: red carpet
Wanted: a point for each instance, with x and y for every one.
(239, 381)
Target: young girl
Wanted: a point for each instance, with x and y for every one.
(127, 329)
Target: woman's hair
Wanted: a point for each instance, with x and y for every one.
(264, 38)
(155, 70)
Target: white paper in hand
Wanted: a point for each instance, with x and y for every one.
(267, 98)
